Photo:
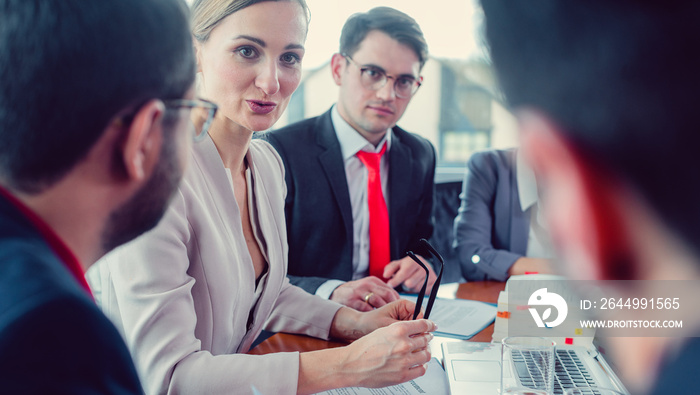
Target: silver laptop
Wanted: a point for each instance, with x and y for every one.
(475, 368)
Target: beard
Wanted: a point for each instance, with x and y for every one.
(144, 210)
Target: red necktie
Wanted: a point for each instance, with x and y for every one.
(379, 255)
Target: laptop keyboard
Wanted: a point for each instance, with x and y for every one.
(569, 371)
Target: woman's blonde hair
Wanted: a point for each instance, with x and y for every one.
(206, 14)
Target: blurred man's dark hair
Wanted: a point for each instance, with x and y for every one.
(621, 79)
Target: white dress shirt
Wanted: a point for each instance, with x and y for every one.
(539, 244)
(352, 142)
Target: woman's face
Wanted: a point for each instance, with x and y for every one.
(251, 63)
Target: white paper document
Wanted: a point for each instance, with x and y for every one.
(459, 318)
(433, 382)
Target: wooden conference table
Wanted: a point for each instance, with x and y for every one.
(485, 291)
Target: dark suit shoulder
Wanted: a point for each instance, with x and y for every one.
(677, 368)
(292, 134)
(45, 312)
(415, 142)
(29, 271)
(68, 343)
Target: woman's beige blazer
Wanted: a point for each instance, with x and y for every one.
(184, 294)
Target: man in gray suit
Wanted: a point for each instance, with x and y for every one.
(499, 230)
(331, 218)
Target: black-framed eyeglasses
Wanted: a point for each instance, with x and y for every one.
(433, 293)
(375, 78)
(201, 119)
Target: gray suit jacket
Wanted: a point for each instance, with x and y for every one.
(491, 230)
(318, 210)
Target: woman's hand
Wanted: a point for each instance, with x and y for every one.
(350, 324)
(388, 356)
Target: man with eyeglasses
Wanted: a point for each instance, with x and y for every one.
(94, 124)
(359, 188)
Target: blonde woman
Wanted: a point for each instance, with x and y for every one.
(191, 296)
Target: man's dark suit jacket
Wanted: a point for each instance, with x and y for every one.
(318, 210)
(53, 338)
(679, 369)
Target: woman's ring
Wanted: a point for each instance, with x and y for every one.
(369, 295)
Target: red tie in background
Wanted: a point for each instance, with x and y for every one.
(379, 255)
